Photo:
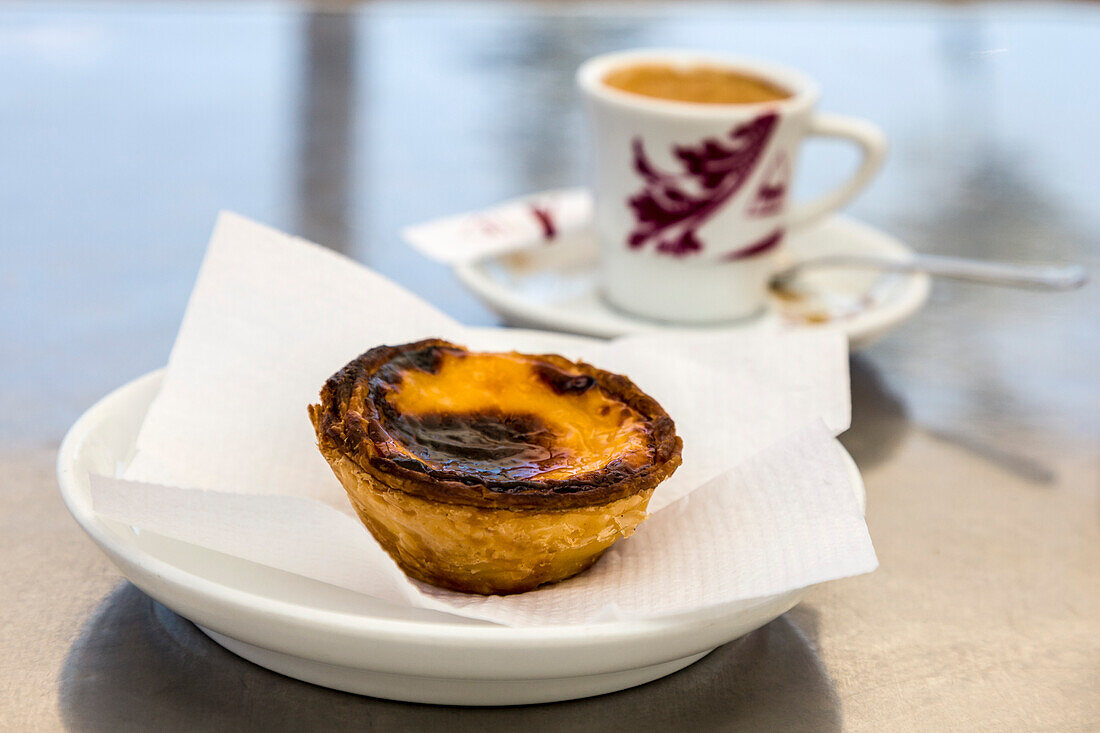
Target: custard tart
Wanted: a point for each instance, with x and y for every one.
(492, 472)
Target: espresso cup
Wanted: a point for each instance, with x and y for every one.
(691, 197)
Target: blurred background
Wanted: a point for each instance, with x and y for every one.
(125, 127)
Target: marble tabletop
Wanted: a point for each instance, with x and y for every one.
(124, 128)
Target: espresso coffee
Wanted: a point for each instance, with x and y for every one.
(698, 84)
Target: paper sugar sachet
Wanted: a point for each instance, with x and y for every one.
(524, 222)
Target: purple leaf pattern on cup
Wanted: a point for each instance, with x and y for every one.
(671, 207)
(758, 247)
(772, 190)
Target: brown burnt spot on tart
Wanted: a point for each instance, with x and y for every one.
(563, 382)
(496, 429)
(490, 444)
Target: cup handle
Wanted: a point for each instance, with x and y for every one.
(871, 141)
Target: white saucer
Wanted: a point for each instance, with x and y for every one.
(340, 639)
(554, 287)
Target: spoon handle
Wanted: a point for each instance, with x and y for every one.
(1037, 277)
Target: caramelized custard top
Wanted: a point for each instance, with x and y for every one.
(505, 416)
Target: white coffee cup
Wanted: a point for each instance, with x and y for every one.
(691, 197)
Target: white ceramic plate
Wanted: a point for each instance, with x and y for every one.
(340, 639)
(555, 287)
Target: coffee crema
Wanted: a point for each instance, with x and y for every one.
(697, 84)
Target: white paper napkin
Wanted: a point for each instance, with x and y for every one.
(227, 459)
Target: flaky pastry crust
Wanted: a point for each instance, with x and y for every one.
(464, 519)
